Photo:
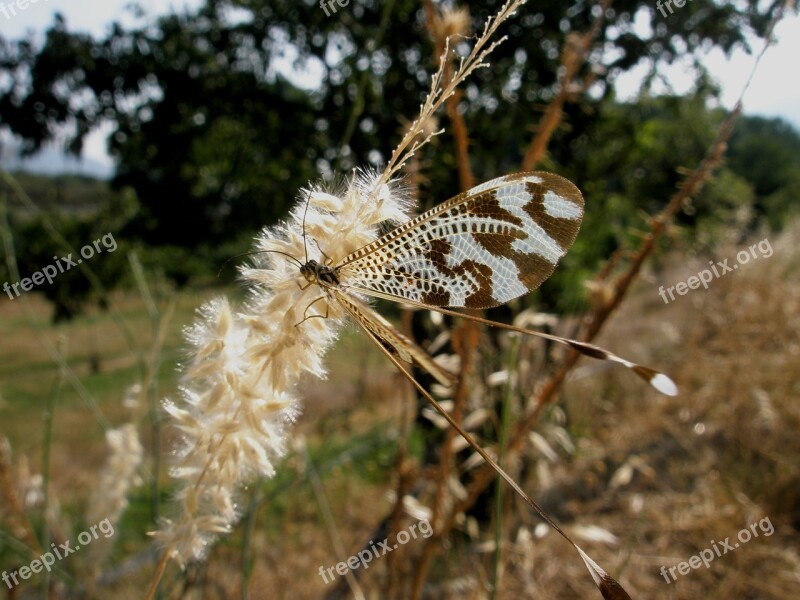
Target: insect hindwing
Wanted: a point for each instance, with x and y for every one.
(392, 340)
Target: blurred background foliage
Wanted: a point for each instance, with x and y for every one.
(221, 115)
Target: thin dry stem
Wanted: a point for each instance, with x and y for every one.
(159, 573)
(443, 88)
(407, 476)
(466, 342)
(461, 137)
(573, 57)
(468, 331)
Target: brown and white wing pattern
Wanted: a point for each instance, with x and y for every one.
(482, 248)
(391, 339)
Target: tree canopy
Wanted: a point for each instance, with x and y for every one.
(222, 114)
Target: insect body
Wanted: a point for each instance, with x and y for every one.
(323, 275)
(484, 247)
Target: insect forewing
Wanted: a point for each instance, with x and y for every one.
(482, 248)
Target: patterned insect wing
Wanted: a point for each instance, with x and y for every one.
(482, 248)
(391, 339)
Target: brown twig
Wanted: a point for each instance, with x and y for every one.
(407, 476)
(573, 58)
(594, 322)
(465, 342)
(440, 32)
(465, 339)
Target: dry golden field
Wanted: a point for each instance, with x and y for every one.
(641, 481)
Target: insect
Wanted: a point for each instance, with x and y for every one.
(482, 248)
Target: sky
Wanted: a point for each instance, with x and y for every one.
(775, 91)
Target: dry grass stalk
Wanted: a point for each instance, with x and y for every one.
(451, 23)
(573, 58)
(407, 477)
(18, 523)
(442, 88)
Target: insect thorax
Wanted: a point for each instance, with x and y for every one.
(315, 272)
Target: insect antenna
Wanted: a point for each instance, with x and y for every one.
(305, 212)
(287, 255)
(328, 259)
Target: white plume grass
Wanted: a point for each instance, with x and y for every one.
(238, 397)
(119, 475)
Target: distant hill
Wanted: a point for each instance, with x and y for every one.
(69, 195)
(51, 161)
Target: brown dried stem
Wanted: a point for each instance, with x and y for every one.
(594, 322)
(573, 58)
(443, 88)
(465, 339)
(465, 175)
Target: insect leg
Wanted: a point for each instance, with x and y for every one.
(328, 259)
(305, 312)
(304, 287)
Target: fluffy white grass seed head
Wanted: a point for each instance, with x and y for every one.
(119, 475)
(238, 396)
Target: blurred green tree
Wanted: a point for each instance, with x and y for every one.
(766, 152)
(221, 114)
